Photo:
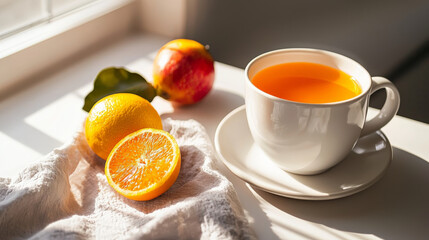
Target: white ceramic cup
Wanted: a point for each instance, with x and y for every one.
(305, 138)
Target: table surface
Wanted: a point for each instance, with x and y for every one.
(46, 112)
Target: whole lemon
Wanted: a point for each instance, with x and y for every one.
(114, 117)
(183, 71)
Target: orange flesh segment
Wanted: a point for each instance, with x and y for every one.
(143, 162)
(138, 166)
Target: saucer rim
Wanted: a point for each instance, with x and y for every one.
(290, 194)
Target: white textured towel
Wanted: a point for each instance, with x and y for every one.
(66, 196)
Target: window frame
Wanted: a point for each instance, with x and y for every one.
(42, 47)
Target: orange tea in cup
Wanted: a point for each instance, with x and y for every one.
(306, 82)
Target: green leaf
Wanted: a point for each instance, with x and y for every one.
(118, 80)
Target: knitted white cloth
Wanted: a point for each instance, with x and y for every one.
(66, 196)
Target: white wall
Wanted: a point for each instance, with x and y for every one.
(379, 34)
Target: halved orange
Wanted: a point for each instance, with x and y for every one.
(144, 164)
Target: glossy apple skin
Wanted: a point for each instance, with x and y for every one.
(183, 71)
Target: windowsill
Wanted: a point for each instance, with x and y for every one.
(42, 47)
(40, 50)
(43, 31)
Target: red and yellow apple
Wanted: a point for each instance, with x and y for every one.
(183, 71)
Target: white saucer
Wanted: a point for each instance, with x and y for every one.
(364, 166)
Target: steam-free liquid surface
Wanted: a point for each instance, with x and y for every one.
(306, 82)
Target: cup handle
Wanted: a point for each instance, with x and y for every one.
(389, 109)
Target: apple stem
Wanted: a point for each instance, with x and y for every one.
(162, 94)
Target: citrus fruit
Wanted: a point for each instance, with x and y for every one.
(114, 117)
(144, 164)
(183, 71)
